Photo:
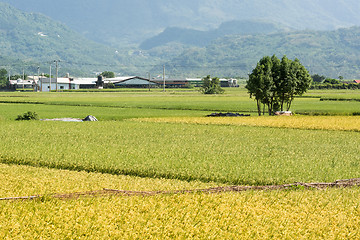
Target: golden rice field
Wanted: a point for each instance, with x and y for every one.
(28, 181)
(339, 123)
(332, 214)
(293, 214)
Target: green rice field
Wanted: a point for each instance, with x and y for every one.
(155, 141)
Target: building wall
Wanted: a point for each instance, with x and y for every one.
(45, 87)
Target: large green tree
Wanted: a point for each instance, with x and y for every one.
(274, 83)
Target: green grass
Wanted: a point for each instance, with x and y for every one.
(339, 93)
(223, 154)
(234, 100)
(9, 111)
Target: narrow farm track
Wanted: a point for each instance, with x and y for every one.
(114, 192)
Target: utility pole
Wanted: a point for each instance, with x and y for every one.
(38, 83)
(164, 77)
(23, 81)
(50, 78)
(57, 61)
(149, 81)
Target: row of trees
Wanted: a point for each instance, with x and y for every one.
(318, 79)
(350, 86)
(274, 83)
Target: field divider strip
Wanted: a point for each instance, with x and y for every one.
(113, 192)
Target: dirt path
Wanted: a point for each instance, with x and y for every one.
(112, 192)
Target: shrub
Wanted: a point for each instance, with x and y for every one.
(28, 116)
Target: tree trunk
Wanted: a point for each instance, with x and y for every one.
(282, 102)
(270, 107)
(289, 103)
(258, 106)
(264, 109)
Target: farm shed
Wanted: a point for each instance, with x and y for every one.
(132, 82)
(173, 83)
(231, 82)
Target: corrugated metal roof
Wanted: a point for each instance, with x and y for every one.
(135, 81)
(84, 81)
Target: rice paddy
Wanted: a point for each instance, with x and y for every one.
(331, 214)
(337, 123)
(162, 141)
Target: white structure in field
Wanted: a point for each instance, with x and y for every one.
(50, 84)
(45, 84)
(67, 83)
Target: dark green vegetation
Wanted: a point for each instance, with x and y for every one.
(4, 81)
(275, 84)
(211, 86)
(28, 116)
(108, 74)
(322, 82)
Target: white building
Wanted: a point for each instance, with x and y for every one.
(25, 84)
(61, 84)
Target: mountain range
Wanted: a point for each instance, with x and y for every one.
(29, 40)
(133, 21)
(191, 38)
(203, 38)
(330, 53)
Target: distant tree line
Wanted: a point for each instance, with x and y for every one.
(322, 82)
(4, 78)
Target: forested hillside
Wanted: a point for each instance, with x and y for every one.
(132, 21)
(29, 40)
(203, 38)
(330, 53)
